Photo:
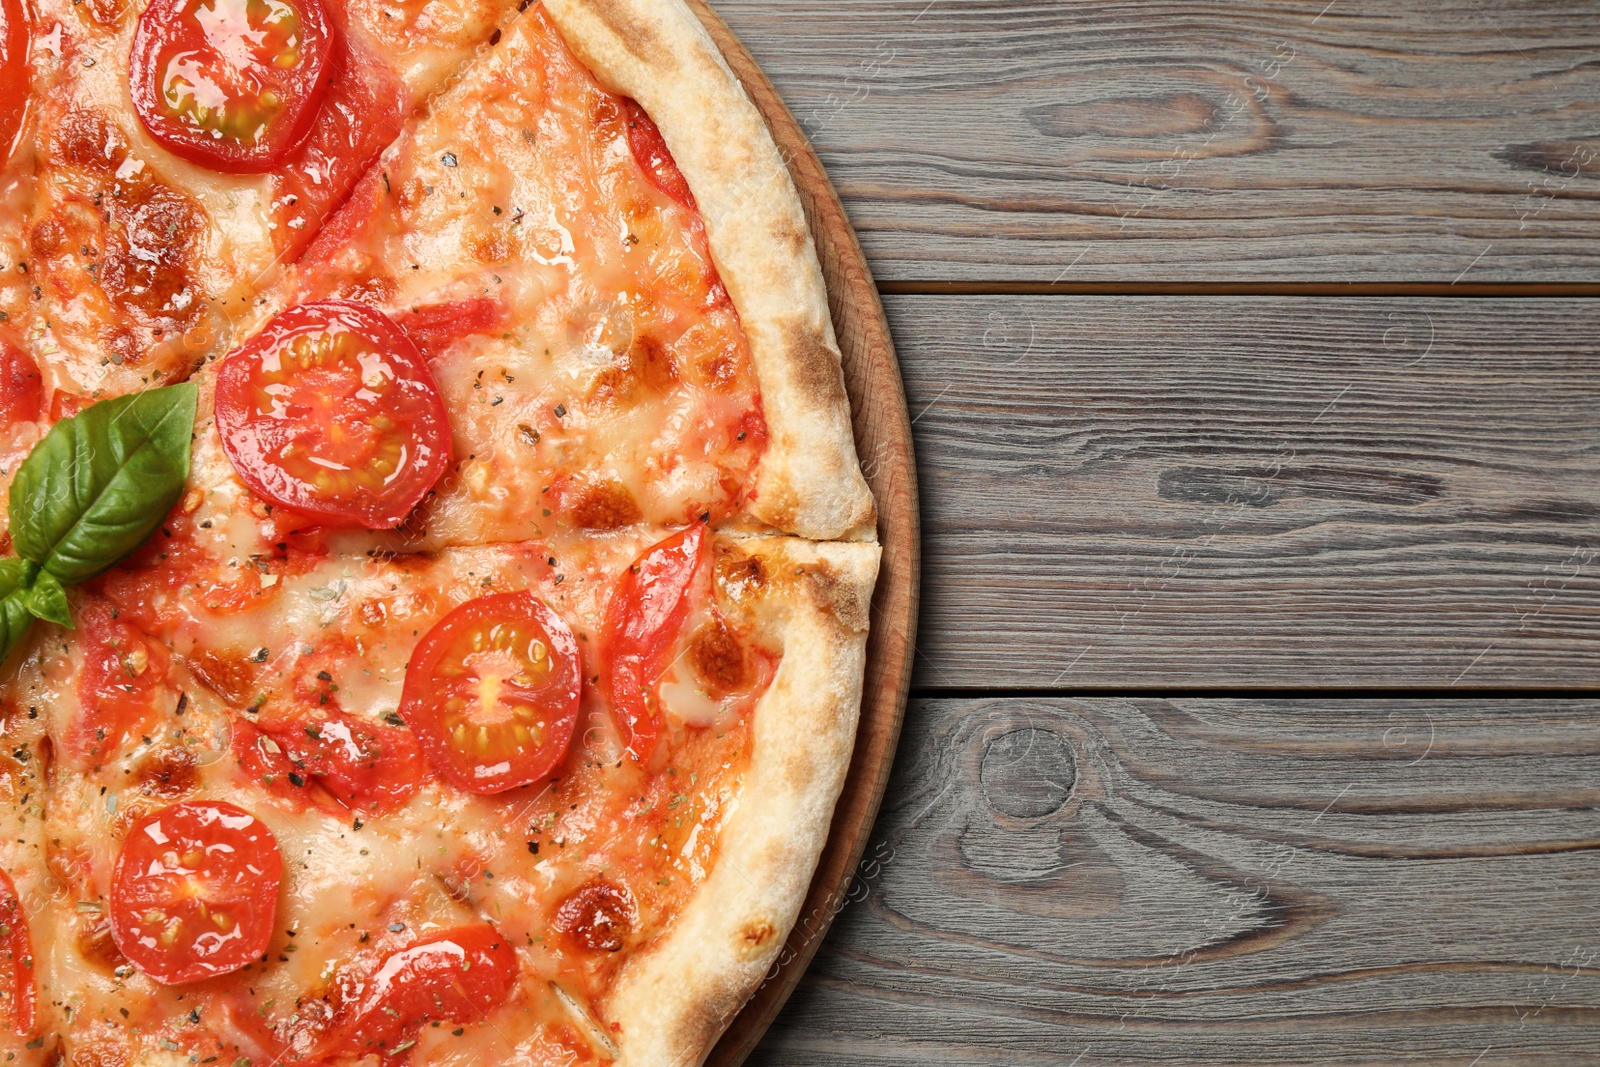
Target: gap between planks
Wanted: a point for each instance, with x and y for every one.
(1248, 693)
(1508, 290)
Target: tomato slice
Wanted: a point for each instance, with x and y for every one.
(333, 759)
(332, 412)
(492, 692)
(16, 961)
(434, 327)
(122, 684)
(21, 388)
(651, 153)
(232, 85)
(194, 891)
(64, 405)
(646, 612)
(361, 115)
(456, 976)
(14, 36)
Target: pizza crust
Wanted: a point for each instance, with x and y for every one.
(657, 52)
(674, 999)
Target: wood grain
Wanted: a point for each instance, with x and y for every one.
(1154, 140)
(1145, 492)
(883, 439)
(1156, 881)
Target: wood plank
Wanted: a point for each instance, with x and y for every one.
(1159, 140)
(1142, 492)
(1207, 882)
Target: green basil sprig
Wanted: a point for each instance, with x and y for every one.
(91, 492)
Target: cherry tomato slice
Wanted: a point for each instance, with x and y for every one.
(651, 153)
(643, 618)
(122, 687)
(455, 976)
(21, 388)
(332, 412)
(492, 692)
(232, 85)
(14, 35)
(194, 891)
(333, 759)
(16, 962)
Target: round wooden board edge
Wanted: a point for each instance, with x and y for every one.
(883, 441)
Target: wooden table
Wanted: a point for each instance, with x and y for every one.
(1254, 359)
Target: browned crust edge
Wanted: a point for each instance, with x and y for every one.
(656, 51)
(673, 1000)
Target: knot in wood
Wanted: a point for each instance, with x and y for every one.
(1027, 773)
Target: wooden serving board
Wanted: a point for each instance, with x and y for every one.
(883, 440)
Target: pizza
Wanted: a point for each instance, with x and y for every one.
(437, 566)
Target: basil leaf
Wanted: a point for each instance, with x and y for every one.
(101, 482)
(15, 618)
(15, 574)
(47, 600)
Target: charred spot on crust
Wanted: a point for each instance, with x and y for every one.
(118, 229)
(719, 365)
(170, 771)
(718, 658)
(739, 568)
(651, 364)
(95, 944)
(814, 366)
(47, 760)
(491, 247)
(88, 141)
(646, 366)
(756, 935)
(740, 577)
(840, 597)
(599, 915)
(637, 37)
(148, 255)
(230, 677)
(604, 506)
(51, 236)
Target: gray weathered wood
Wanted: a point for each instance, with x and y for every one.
(1146, 492)
(1137, 140)
(1207, 882)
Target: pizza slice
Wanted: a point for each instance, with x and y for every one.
(607, 353)
(549, 802)
(187, 147)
